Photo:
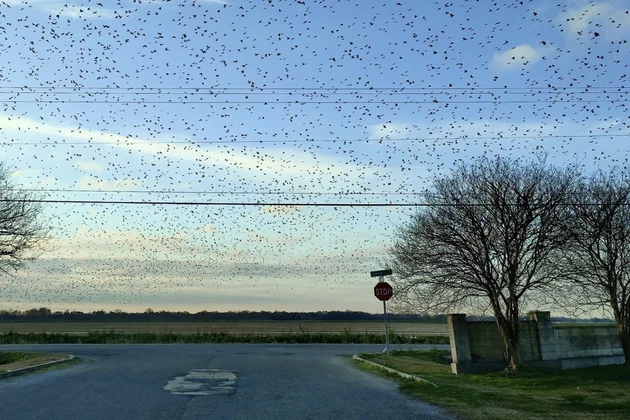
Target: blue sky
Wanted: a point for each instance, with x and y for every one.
(279, 102)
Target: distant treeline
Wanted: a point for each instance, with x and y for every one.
(149, 315)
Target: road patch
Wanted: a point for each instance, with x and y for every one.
(203, 382)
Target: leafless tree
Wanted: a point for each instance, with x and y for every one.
(597, 259)
(484, 238)
(23, 232)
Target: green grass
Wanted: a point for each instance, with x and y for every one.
(590, 393)
(16, 356)
(113, 337)
(586, 325)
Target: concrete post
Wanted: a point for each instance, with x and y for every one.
(546, 337)
(460, 346)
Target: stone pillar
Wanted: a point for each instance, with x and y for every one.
(460, 347)
(546, 337)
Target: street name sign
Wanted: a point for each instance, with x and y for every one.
(380, 273)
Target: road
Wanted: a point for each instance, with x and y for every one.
(207, 381)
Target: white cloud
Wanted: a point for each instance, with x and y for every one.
(80, 12)
(207, 228)
(602, 17)
(520, 56)
(579, 18)
(448, 132)
(274, 164)
(391, 131)
(279, 211)
(92, 183)
(89, 166)
(62, 8)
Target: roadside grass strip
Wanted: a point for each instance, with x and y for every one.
(15, 356)
(18, 363)
(397, 372)
(533, 393)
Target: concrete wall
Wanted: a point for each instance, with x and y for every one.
(476, 346)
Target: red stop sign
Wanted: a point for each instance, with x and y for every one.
(383, 291)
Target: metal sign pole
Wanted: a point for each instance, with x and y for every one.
(386, 326)
(383, 291)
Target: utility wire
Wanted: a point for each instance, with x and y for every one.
(207, 203)
(195, 142)
(266, 204)
(310, 102)
(217, 192)
(423, 90)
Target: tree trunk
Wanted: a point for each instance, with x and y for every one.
(624, 337)
(508, 325)
(509, 341)
(623, 327)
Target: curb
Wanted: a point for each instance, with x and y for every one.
(29, 369)
(399, 373)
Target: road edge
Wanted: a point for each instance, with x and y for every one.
(29, 369)
(397, 372)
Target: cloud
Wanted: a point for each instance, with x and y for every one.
(447, 133)
(280, 211)
(89, 166)
(92, 183)
(80, 12)
(391, 131)
(64, 9)
(274, 164)
(520, 56)
(603, 17)
(207, 228)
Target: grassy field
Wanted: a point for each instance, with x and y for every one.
(407, 329)
(220, 332)
(591, 393)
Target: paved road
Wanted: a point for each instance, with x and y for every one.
(207, 381)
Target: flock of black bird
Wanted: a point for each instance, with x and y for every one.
(259, 154)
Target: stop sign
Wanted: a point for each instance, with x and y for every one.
(383, 291)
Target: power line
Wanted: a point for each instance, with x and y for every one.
(136, 92)
(225, 204)
(274, 141)
(267, 204)
(217, 192)
(19, 89)
(309, 102)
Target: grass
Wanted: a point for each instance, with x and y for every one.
(11, 361)
(113, 337)
(220, 332)
(15, 356)
(590, 393)
(586, 325)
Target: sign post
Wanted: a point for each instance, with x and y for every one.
(383, 292)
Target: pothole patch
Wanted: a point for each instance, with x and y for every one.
(200, 382)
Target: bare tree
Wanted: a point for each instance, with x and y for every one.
(22, 229)
(597, 259)
(484, 238)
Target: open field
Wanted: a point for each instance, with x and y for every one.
(406, 329)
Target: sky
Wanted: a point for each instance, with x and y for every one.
(205, 155)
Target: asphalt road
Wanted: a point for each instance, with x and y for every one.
(207, 381)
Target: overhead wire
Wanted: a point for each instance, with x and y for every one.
(274, 141)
